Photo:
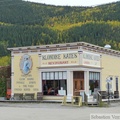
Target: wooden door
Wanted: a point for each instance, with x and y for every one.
(78, 82)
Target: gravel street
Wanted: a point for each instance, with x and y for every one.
(51, 111)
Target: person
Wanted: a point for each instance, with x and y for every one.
(26, 66)
(45, 89)
(51, 91)
(96, 84)
(56, 91)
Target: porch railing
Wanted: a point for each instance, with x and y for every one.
(99, 98)
(85, 99)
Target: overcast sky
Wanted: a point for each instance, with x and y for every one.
(74, 2)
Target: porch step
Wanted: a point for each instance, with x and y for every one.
(92, 104)
(92, 101)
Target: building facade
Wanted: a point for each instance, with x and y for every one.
(62, 69)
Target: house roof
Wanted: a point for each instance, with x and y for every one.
(75, 45)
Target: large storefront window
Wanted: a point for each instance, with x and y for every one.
(54, 83)
(94, 80)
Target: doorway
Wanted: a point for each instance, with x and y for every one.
(78, 82)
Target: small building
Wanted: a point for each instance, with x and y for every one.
(62, 69)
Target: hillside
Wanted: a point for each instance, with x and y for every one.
(25, 23)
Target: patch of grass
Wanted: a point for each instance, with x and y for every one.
(62, 27)
(103, 104)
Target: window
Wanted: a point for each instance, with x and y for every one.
(56, 75)
(94, 76)
(64, 75)
(54, 83)
(60, 75)
(51, 75)
(44, 76)
(48, 76)
(94, 80)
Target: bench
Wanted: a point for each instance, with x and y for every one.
(29, 96)
(104, 94)
(17, 96)
(73, 100)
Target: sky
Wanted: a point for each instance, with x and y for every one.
(74, 2)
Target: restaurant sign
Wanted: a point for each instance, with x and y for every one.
(59, 59)
(91, 59)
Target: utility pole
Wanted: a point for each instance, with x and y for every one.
(108, 93)
(108, 86)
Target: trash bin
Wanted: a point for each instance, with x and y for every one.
(116, 94)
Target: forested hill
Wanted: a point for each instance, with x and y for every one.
(25, 23)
